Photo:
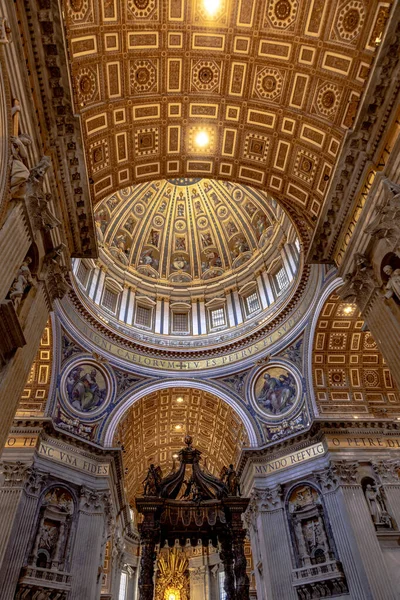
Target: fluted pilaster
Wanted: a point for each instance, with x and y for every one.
(91, 531)
(358, 516)
(23, 520)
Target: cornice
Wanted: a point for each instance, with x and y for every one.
(42, 22)
(173, 354)
(360, 146)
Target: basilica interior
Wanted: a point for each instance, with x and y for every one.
(199, 299)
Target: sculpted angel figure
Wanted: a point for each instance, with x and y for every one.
(152, 481)
(231, 480)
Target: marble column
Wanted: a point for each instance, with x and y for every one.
(87, 555)
(270, 544)
(355, 512)
(21, 516)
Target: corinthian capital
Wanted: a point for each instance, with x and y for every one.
(345, 472)
(359, 283)
(268, 499)
(14, 473)
(326, 479)
(388, 471)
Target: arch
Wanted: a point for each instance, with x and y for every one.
(111, 425)
(347, 372)
(333, 285)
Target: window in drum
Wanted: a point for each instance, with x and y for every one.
(217, 317)
(109, 300)
(180, 322)
(83, 274)
(123, 586)
(252, 303)
(281, 280)
(143, 316)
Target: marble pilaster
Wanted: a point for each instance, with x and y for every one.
(91, 528)
(269, 542)
(22, 518)
(359, 519)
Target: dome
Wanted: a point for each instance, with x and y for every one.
(186, 231)
(189, 258)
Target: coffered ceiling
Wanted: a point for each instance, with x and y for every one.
(273, 83)
(153, 430)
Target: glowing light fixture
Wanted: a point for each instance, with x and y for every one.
(348, 309)
(179, 399)
(202, 139)
(212, 7)
(178, 426)
(175, 456)
(172, 596)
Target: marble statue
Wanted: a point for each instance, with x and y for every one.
(393, 285)
(376, 506)
(21, 282)
(19, 166)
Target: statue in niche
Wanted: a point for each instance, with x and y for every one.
(152, 481)
(21, 283)
(377, 507)
(308, 525)
(48, 537)
(393, 285)
(230, 478)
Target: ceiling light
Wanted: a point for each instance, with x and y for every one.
(175, 455)
(179, 399)
(202, 139)
(348, 309)
(178, 426)
(212, 7)
(355, 416)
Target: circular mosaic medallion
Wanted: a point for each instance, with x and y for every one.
(158, 221)
(222, 212)
(180, 225)
(141, 4)
(202, 223)
(139, 208)
(275, 391)
(86, 387)
(238, 195)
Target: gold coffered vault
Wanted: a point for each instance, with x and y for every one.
(274, 85)
(199, 299)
